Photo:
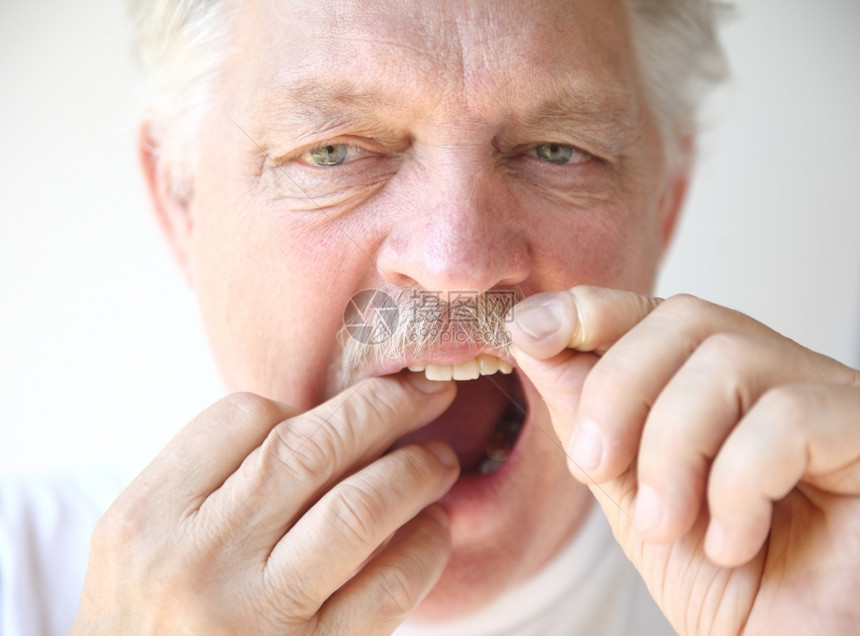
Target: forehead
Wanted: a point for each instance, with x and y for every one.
(490, 59)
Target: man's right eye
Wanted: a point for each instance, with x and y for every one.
(334, 154)
(560, 154)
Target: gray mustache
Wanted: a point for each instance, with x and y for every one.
(382, 325)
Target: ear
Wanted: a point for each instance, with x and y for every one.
(675, 193)
(169, 195)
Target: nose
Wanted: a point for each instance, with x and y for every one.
(460, 230)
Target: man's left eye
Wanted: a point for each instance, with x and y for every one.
(334, 154)
(559, 154)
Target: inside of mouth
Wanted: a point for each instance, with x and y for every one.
(482, 425)
(503, 439)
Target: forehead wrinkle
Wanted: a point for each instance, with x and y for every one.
(393, 80)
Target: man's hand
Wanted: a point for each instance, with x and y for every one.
(726, 457)
(254, 518)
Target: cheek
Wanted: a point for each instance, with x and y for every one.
(271, 296)
(612, 245)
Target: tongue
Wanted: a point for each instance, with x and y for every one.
(469, 422)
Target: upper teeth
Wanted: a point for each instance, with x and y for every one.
(483, 364)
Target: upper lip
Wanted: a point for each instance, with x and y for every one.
(442, 355)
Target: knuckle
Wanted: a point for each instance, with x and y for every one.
(685, 306)
(384, 402)
(253, 409)
(787, 405)
(310, 446)
(116, 527)
(417, 462)
(398, 583)
(589, 298)
(288, 596)
(725, 349)
(127, 522)
(730, 359)
(356, 510)
(125, 540)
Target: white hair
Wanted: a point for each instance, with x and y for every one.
(182, 47)
(680, 58)
(183, 44)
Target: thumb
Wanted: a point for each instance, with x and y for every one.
(584, 318)
(550, 332)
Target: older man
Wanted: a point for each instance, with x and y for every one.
(455, 157)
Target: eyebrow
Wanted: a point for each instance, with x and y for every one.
(610, 117)
(609, 110)
(314, 101)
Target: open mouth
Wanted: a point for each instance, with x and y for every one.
(484, 422)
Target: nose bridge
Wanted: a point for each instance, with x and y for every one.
(461, 232)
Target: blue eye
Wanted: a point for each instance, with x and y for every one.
(558, 154)
(330, 155)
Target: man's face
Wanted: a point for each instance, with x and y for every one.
(466, 146)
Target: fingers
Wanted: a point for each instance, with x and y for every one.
(584, 318)
(673, 381)
(207, 450)
(548, 330)
(625, 384)
(636, 366)
(694, 413)
(344, 528)
(394, 582)
(794, 433)
(304, 456)
(690, 419)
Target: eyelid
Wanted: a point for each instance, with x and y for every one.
(363, 146)
(530, 149)
(579, 155)
(354, 153)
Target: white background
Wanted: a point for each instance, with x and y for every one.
(101, 350)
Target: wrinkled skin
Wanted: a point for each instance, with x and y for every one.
(474, 146)
(726, 457)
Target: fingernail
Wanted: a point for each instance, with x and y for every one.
(649, 510)
(540, 321)
(586, 446)
(715, 539)
(438, 513)
(444, 452)
(420, 382)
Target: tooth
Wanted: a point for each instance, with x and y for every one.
(439, 372)
(417, 368)
(467, 370)
(489, 466)
(505, 367)
(488, 364)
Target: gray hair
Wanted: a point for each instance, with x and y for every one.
(680, 59)
(183, 44)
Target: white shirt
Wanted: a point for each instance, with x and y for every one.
(45, 526)
(590, 588)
